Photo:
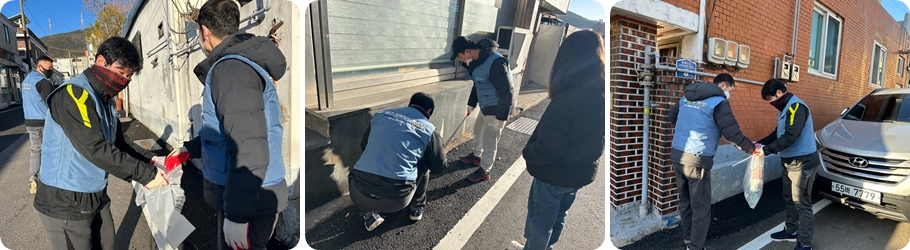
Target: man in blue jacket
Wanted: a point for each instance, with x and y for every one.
(493, 91)
(35, 88)
(794, 140)
(397, 159)
(240, 141)
(701, 116)
(83, 143)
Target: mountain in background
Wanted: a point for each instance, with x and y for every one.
(66, 45)
(577, 20)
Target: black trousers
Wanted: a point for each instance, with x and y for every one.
(95, 233)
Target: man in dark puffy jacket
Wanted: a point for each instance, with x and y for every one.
(240, 141)
(794, 140)
(396, 162)
(493, 90)
(701, 117)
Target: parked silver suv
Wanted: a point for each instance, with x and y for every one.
(866, 155)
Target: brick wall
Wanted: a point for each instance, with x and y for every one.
(690, 5)
(767, 28)
(628, 37)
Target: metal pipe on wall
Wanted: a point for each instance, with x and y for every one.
(647, 80)
(795, 29)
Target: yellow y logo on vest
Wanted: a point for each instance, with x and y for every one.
(80, 102)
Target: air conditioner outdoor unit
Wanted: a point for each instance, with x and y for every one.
(717, 50)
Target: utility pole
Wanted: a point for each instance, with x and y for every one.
(24, 25)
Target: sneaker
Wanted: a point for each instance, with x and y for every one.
(373, 219)
(33, 184)
(416, 215)
(479, 175)
(471, 159)
(516, 246)
(783, 235)
(801, 246)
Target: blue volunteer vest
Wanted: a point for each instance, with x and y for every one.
(32, 105)
(805, 143)
(486, 92)
(215, 159)
(398, 139)
(61, 165)
(696, 131)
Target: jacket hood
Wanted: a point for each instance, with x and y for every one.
(257, 48)
(487, 47)
(700, 91)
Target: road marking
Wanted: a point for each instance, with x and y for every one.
(8, 110)
(461, 233)
(765, 238)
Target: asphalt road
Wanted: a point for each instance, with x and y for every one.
(450, 197)
(836, 226)
(20, 227)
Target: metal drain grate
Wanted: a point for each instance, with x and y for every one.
(148, 144)
(523, 125)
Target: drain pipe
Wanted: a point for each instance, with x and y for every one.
(646, 77)
(795, 29)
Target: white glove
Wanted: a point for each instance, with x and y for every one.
(470, 108)
(235, 234)
(497, 124)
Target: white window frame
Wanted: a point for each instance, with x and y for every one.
(883, 62)
(822, 42)
(900, 66)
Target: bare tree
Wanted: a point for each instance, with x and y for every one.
(110, 14)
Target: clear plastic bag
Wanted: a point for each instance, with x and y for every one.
(753, 180)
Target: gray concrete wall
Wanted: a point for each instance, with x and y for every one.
(327, 168)
(543, 53)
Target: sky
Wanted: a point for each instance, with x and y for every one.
(63, 14)
(896, 8)
(590, 9)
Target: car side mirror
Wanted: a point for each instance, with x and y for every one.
(842, 113)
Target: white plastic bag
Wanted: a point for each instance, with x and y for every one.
(753, 180)
(162, 207)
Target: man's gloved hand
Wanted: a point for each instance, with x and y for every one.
(470, 108)
(176, 158)
(759, 150)
(159, 180)
(235, 234)
(497, 124)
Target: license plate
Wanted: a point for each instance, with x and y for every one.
(859, 193)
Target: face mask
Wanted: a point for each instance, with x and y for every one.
(727, 93)
(779, 103)
(469, 61)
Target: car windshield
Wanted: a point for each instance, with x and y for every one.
(881, 108)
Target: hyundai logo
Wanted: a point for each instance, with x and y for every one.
(858, 162)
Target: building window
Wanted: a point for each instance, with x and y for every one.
(876, 74)
(669, 50)
(160, 30)
(900, 66)
(824, 48)
(6, 32)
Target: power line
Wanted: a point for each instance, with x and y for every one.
(49, 16)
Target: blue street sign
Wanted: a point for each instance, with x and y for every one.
(685, 69)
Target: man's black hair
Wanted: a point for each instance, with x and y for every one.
(45, 58)
(771, 87)
(118, 49)
(727, 78)
(221, 17)
(424, 101)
